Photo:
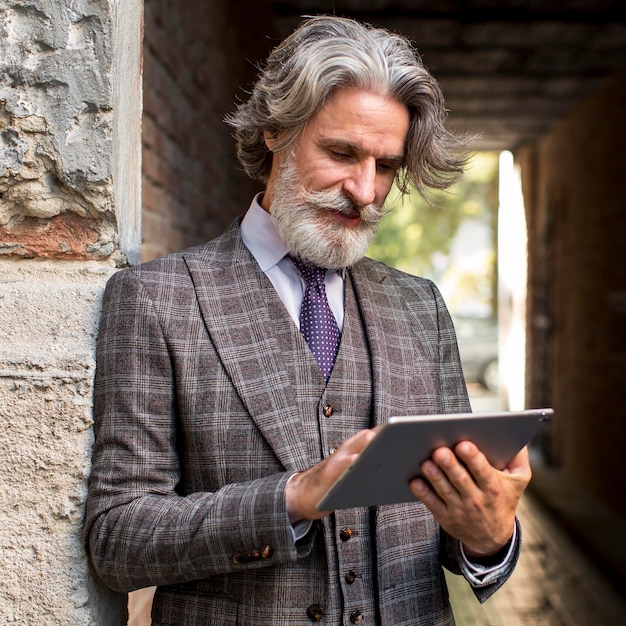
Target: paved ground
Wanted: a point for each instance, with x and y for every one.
(554, 584)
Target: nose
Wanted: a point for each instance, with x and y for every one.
(360, 184)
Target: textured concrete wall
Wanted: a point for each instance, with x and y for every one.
(59, 243)
(48, 322)
(574, 191)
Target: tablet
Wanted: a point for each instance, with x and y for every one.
(381, 473)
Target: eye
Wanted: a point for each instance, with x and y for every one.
(386, 167)
(340, 155)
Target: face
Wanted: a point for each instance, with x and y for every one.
(326, 195)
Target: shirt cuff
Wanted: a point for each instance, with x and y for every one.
(481, 572)
(299, 529)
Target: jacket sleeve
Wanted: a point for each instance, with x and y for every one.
(139, 529)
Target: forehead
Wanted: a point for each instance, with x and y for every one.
(373, 123)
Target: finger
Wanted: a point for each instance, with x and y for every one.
(520, 465)
(346, 454)
(420, 489)
(475, 463)
(357, 442)
(306, 488)
(455, 478)
(487, 476)
(436, 476)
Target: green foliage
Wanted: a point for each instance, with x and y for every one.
(414, 235)
(418, 238)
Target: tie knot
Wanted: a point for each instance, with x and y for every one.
(310, 273)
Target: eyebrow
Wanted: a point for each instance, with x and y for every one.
(328, 142)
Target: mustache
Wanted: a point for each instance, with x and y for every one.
(337, 201)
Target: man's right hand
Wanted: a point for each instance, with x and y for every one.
(305, 489)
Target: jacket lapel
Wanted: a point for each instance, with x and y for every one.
(385, 316)
(232, 291)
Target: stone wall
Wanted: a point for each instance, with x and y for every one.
(48, 323)
(61, 102)
(55, 130)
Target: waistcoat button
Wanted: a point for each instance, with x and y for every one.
(350, 577)
(356, 617)
(315, 613)
(345, 533)
(328, 410)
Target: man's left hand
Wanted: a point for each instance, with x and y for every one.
(471, 500)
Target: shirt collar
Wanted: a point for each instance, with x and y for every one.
(260, 236)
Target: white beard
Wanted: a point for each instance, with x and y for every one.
(310, 233)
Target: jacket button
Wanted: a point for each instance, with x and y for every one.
(315, 613)
(328, 410)
(356, 617)
(345, 533)
(350, 577)
(266, 552)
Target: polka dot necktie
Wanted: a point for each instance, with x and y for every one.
(317, 322)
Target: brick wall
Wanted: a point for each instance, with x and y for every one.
(197, 56)
(574, 193)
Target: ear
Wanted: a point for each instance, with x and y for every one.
(270, 139)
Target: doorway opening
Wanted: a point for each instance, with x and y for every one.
(472, 244)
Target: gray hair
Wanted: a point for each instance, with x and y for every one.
(327, 53)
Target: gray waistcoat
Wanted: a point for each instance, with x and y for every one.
(331, 414)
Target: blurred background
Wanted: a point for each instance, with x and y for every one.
(454, 243)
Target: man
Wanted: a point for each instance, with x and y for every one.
(218, 428)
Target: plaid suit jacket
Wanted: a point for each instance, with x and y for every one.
(197, 432)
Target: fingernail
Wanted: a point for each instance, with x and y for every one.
(464, 448)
